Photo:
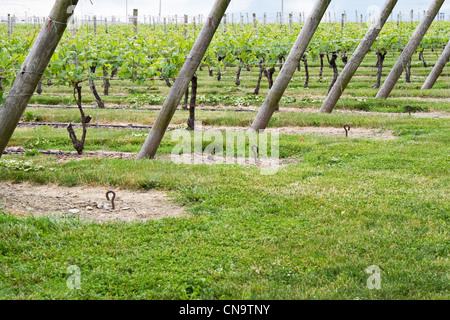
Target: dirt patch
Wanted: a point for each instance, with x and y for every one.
(272, 164)
(64, 156)
(354, 133)
(194, 158)
(434, 115)
(87, 203)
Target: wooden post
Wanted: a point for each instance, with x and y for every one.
(72, 26)
(9, 25)
(438, 68)
(282, 81)
(356, 58)
(265, 18)
(135, 21)
(343, 22)
(165, 26)
(290, 22)
(255, 24)
(412, 17)
(185, 26)
(242, 21)
(184, 78)
(32, 69)
(409, 50)
(225, 23)
(95, 25)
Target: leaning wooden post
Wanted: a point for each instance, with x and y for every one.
(438, 68)
(356, 58)
(301, 44)
(32, 69)
(409, 50)
(185, 76)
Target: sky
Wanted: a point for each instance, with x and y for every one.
(117, 8)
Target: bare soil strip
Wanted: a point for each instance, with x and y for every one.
(87, 203)
(357, 133)
(433, 114)
(192, 159)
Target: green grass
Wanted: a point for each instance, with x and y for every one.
(306, 233)
(132, 140)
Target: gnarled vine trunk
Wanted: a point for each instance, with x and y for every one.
(305, 62)
(106, 83)
(333, 66)
(321, 56)
(381, 55)
(258, 84)
(39, 87)
(78, 144)
(94, 90)
(191, 120)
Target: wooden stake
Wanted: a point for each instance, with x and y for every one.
(282, 81)
(409, 50)
(32, 69)
(185, 76)
(357, 57)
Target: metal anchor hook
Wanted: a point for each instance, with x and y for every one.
(255, 150)
(113, 198)
(347, 129)
(409, 109)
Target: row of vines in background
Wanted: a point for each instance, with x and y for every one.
(155, 54)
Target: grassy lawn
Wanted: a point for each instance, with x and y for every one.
(308, 232)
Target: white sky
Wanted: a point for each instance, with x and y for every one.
(195, 7)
